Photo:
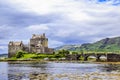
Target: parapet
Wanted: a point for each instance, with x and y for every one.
(35, 36)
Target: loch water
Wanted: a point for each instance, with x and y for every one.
(85, 71)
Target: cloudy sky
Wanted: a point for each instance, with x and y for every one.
(63, 21)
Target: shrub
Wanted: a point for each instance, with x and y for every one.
(74, 52)
(63, 52)
(58, 56)
(20, 54)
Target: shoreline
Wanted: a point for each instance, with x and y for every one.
(58, 61)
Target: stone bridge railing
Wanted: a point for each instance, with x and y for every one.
(109, 57)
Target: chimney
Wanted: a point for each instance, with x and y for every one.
(44, 35)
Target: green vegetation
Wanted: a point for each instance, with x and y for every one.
(106, 45)
(21, 55)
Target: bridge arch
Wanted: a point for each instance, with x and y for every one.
(97, 56)
(86, 56)
(101, 56)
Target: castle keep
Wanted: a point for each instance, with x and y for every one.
(37, 44)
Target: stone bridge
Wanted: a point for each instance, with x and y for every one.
(109, 56)
(97, 56)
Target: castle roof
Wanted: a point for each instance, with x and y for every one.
(15, 43)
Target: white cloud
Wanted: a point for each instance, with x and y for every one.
(39, 6)
(40, 27)
(5, 27)
(71, 9)
(3, 47)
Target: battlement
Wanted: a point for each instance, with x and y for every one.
(34, 36)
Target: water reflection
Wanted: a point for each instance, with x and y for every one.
(25, 71)
(3, 70)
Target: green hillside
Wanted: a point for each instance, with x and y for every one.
(68, 47)
(104, 45)
(107, 44)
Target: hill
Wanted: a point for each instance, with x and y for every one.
(3, 55)
(68, 47)
(107, 44)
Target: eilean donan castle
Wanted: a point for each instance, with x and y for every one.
(37, 44)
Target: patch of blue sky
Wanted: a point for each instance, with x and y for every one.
(102, 0)
(116, 2)
(112, 2)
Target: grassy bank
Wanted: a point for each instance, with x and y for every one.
(56, 56)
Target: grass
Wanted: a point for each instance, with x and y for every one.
(34, 56)
(21, 55)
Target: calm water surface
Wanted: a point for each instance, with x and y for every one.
(22, 71)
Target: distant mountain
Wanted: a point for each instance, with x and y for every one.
(107, 44)
(3, 55)
(68, 47)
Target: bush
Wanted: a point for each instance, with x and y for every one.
(74, 52)
(20, 54)
(58, 56)
(63, 52)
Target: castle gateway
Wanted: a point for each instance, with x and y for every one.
(37, 44)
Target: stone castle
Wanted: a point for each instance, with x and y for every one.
(37, 44)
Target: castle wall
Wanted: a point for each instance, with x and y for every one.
(12, 49)
(46, 43)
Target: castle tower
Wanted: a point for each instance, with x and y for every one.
(13, 47)
(38, 43)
